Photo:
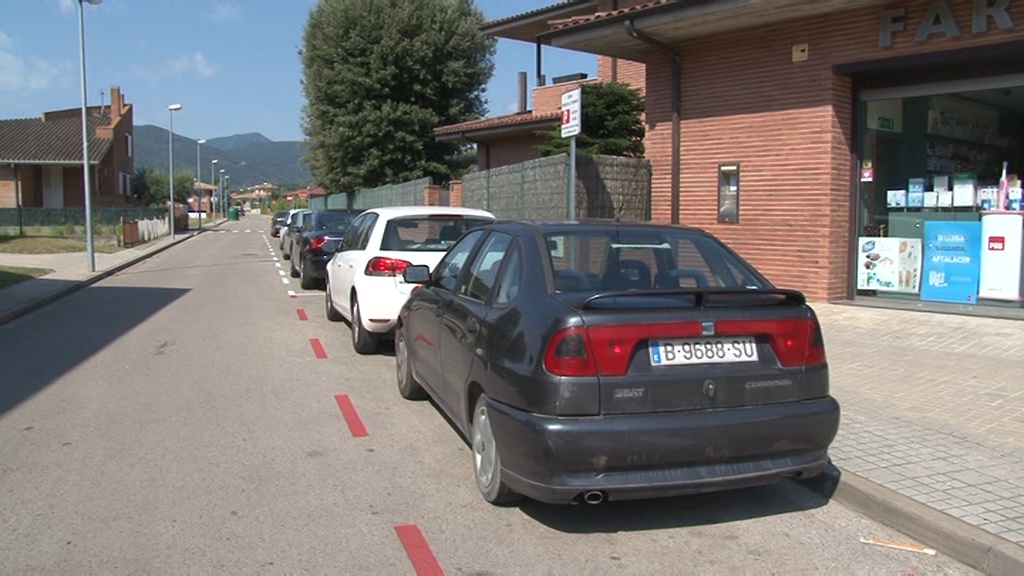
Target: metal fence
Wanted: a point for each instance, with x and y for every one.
(404, 194)
(606, 187)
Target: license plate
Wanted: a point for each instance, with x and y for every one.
(703, 351)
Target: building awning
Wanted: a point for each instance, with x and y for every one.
(510, 124)
(528, 25)
(672, 21)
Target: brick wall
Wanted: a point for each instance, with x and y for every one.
(626, 71)
(510, 151)
(789, 126)
(549, 98)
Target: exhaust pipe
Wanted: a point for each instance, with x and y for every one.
(593, 497)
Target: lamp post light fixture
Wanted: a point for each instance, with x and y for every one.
(199, 181)
(213, 193)
(170, 165)
(90, 254)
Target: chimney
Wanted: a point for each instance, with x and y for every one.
(116, 104)
(522, 93)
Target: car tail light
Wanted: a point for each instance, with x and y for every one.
(380, 266)
(795, 341)
(569, 354)
(318, 242)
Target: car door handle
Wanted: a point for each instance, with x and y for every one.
(472, 327)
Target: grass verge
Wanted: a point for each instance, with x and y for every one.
(10, 275)
(43, 245)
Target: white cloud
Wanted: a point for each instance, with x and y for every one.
(19, 74)
(224, 12)
(194, 63)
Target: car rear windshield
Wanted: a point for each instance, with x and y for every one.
(621, 258)
(331, 222)
(427, 233)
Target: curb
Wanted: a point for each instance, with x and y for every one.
(76, 286)
(961, 541)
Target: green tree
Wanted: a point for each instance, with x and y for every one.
(379, 76)
(150, 187)
(611, 123)
(184, 182)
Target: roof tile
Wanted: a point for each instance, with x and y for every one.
(497, 122)
(57, 141)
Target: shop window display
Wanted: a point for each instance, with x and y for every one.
(940, 208)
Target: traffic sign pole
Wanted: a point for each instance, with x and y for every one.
(571, 126)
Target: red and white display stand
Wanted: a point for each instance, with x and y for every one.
(1002, 260)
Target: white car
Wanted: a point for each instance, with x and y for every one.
(364, 278)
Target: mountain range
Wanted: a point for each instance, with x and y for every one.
(248, 159)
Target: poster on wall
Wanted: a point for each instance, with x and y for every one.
(952, 262)
(1001, 239)
(889, 264)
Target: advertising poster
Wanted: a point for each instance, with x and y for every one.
(1001, 239)
(889, 264)
(952, 262)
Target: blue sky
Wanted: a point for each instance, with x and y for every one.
(233, 66)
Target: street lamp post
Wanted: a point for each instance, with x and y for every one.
(213, 193)
(220, 192)
(170, 165)
(90, 255)
(199, 180)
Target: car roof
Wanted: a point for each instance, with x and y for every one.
(389, 212)
(554, 226)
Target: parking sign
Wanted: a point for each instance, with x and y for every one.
(571, 113)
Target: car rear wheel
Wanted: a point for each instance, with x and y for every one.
(332, 313)
(408, 387)
(306, 281)
(363, 342)
(487, 459)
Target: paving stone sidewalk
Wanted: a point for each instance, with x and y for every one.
(933, 408)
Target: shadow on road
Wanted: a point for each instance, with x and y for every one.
(785, 497)
(39, 348)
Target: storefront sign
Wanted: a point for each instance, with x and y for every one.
(952, 261)
(889, 264)
(1001, 258)
(938, 19)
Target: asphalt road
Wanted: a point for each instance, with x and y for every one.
(176, 418)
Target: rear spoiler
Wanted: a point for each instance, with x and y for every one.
(710, 297)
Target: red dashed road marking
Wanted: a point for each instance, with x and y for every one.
(348, 412)
(302, 314)
(318, 348)
(418, 551)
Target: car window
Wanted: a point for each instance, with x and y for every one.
(332, 221)
(348, 242)
(624, 258)
(427, 232)
(363, 235)
(511, 278)
(446, 274)
(483, 272)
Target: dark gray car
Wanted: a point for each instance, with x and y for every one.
(594, 360)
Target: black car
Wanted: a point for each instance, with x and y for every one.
(279, 221)
(314, 244)
(588, 361)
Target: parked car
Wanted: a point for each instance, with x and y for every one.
(364, 278)
(600, 361)
(289, 232)
(314, 245)
(279, 221)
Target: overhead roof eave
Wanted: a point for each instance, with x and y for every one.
(528, 26)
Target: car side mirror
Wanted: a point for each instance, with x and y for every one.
(417, 274)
